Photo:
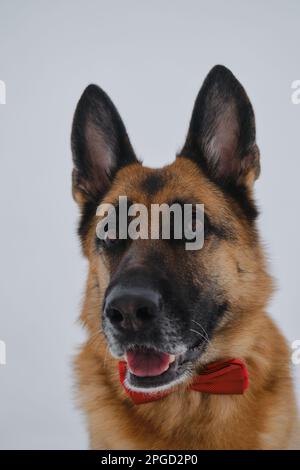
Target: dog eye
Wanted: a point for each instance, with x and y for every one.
(110, 240)
(191, 226)
(196, 222)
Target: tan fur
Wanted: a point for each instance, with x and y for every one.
(265, 417)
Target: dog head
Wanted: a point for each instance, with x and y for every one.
(159, 304)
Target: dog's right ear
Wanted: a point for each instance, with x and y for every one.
(100, 145)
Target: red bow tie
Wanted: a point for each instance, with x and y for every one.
(223, 378)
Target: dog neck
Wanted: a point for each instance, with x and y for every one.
(192, 420)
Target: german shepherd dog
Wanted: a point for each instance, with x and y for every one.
(170, 312)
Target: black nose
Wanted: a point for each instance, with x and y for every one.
(132, 309)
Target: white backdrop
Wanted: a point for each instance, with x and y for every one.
(151, 58)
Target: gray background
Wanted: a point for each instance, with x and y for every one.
(151, 58)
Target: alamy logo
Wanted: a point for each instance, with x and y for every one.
(296, 93)
(2, 92)
(296, 352)
(161, 221)
(2, 353)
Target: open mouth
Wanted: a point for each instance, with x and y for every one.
(149, 369)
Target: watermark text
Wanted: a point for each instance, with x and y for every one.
(2, 92)
(2, 353)
(296, 352)
(161, 221)
(295, 97)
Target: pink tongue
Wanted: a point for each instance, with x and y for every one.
(147, 362)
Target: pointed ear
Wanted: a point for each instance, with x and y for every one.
(221, 136)
(100, 145)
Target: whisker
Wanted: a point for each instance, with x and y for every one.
(105, 357)
(200, 334)
(205, 332)
(206, 339)
(98, 332)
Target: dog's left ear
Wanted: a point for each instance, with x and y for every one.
(221, 136)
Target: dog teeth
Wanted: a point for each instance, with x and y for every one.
(171, 358)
